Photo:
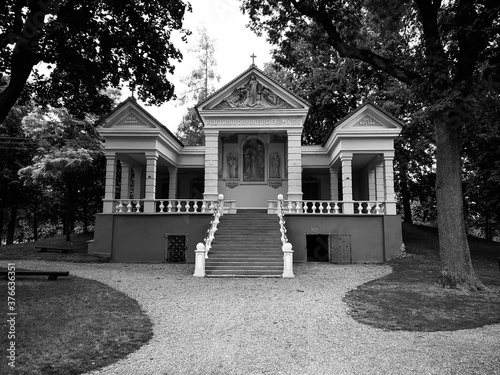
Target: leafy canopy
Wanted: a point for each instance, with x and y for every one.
(87, 46)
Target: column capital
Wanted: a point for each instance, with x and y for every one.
(152, 155)
(346, 155)
(211, 132)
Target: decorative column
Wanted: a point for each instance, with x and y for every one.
(372, 189)
(211, 164)
(379, 180)
(125, 181)
(348, 205)
(150, 190)
(110, 187)
(390, 197)
(334, 184)
(294, 165)
(172, 184)
(138, 183)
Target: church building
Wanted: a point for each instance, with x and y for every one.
(252, 200)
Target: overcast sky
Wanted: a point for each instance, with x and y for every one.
(234, 45)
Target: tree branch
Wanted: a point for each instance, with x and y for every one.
(351, 51)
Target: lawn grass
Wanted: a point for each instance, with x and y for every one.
(70, 326)
(28, 250)
(408, 299)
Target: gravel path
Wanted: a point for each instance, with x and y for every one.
(276, 326)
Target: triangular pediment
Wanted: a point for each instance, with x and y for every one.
(252, 90)
(369, 118)
(129, 115)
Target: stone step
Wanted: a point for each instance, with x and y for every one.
(246, 244)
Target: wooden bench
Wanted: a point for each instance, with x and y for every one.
(51, 274)
(44, 249)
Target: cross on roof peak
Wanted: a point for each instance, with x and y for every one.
(253, 56)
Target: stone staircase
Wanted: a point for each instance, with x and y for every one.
(246, 244)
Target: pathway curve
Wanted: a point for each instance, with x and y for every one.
(276, 326)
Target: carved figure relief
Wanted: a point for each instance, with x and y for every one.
(274, 172)
(252, 95)
(253, 160)
(232, 163)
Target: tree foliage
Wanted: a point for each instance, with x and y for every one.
(69, 152)
(87, 46)
(446, 53)
(199, 85)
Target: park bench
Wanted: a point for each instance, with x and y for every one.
(53, 275)
(44, 249)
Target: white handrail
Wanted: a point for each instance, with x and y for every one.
(218, 212)
(287, 246)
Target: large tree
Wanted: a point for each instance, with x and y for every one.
(86, 46)
(446, 53)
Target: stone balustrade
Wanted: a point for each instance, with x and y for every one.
(178, 206)
(320, 207)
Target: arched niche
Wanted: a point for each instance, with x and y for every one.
(254, 159)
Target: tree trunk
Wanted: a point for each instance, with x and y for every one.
(12, 225)
(456, 264)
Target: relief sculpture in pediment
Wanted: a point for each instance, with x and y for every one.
(252, 95)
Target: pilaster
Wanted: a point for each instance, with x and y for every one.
(347, 197)
(110, 187)
(334, 184)
(390, 197)
(379, 180)
(150, 190)
(211, 164)
(172, 185)
(138, 172)
(125, 181)
(294, 165)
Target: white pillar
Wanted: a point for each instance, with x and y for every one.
(138, 183)
(150, 190)
(172, 185)
(211, 164)
(390, 197)
(110, 187)
(379, 180)
(334, 184)
(372, 190)
(347, 197)
(294, 165)
(125, 181)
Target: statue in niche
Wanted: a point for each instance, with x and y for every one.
(253, 160)
(252, 95)
(275, 166)
(232, 163)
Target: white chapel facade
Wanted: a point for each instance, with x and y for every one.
(252, 154)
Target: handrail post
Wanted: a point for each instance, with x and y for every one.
(287, 246)
(199, 267)
(287, 260)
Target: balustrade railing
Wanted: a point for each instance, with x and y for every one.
(179, 206)
(320, 207)
(217, 213)
(286, 246)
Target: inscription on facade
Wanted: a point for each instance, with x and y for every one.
(253, 122)
(131, 120)
(368, 121)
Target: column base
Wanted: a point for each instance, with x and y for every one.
(294, 196)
